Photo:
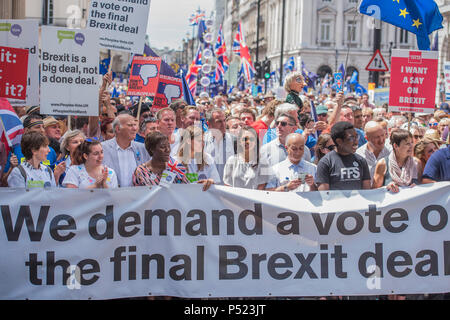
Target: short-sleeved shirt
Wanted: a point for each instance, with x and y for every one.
(17, 150)
(241, 174)
(342, 172)
(438, 166)
(78, 176)
(41, 177)
(209, 170)
(286, 171)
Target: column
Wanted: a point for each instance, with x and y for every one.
(339, 24)
(314, 24)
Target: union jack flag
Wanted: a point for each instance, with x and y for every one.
(191, 77)
(196, 17)
(178, 168)
(11, 128)
(238, 39)
(222, 62)
(244, 53)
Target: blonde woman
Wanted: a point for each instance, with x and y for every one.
(191, 154)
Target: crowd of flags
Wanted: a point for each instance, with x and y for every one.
(420, 18)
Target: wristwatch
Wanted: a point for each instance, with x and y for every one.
(285, 188)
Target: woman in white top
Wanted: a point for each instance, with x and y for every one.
(32, 173)
(70, 141)
(244, 170)
(91, 173)
(199, 164)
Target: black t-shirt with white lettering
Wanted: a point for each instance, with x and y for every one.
(342, 172)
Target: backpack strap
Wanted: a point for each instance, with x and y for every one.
(23, 173)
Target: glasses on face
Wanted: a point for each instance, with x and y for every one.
(417, 137)
(433, 124)
(90, 140)
(283, 123)
(331, 148)
(299, 80)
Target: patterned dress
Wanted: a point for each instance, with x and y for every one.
(143, 176)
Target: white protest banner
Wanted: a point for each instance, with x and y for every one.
(225, 242)
(69, 71)
(24, 34)
(122, 24)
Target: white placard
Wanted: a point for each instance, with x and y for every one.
(122, 24)
(69, 71)
(24, 34)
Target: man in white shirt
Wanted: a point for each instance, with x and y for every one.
(122, 153)
(218, 143)
(275, 151)
(294, 173)
(375, 148)
(166, 124)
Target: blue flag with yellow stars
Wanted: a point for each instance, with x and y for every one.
(420, 17)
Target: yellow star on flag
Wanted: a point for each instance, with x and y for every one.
(416, 23)
(403, 13)
(398, 1)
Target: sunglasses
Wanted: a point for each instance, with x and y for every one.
(434, 124)
(248, 139)
(283, 123)
(417, 137)
(90, 140)
(331, 148)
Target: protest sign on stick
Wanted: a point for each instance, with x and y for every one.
(122, 24)
(13, 73)
(24, 34)
(169, 89)
(413, 81)
(69, 66)
(144, 76)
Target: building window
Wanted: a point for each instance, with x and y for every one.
(325, 30)
(403, 36)
(351, 31)
(353, 1)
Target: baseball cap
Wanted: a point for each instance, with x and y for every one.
(50, 121)
(321, 109)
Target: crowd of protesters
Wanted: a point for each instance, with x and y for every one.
(236, 140)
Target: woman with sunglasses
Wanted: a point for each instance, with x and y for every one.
(244, 170)
(399, 168)
(324, 145)
(293, 85)
(70, 141)
(199, 164)
(90, 173)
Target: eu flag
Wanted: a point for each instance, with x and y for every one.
(419, 17)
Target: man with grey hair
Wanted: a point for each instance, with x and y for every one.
(122, 153)
(293, 173)
(375, 148)
(218, 143)
(275, 151)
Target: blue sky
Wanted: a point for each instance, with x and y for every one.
(169, 20)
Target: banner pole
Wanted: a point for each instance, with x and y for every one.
(139, 108)
(69, 123)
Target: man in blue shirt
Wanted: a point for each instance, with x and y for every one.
(437, 167)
